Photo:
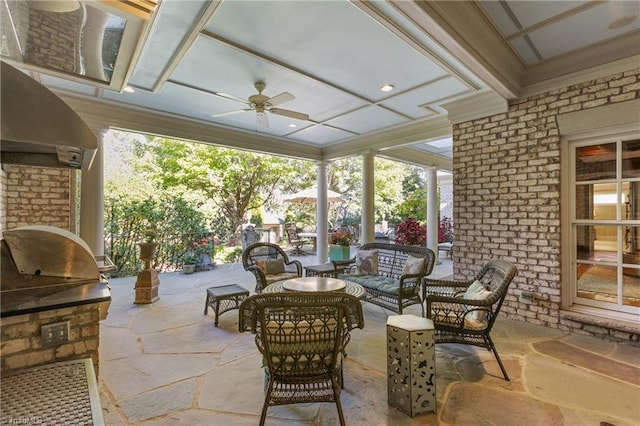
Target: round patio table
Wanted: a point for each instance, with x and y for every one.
(315, 284)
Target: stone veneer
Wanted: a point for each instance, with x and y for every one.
(20, 337)
(39, 196)
(506, 172)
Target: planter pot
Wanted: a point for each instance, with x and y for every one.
(339, 252)
(148, 251)
(188, 269)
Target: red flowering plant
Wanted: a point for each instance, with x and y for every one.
(340, 238)
(410, 232)
(203, 246)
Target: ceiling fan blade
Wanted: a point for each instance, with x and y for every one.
(291, 114)
(281, 98)
(238, 111)
(262, 120)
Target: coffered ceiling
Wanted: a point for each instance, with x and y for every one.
(192, 63)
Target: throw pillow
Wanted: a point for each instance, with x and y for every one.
(413, 265)
(476, 291)
(367, 262)
(271, 267)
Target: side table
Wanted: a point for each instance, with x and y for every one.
(411, 366)
(324, 270)
(224, 298)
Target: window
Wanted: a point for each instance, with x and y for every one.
(605, 223)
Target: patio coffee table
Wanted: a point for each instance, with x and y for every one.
(315, 284)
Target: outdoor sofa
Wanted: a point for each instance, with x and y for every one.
(391, 274)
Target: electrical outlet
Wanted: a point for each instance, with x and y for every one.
(54, 334)
(527, 295)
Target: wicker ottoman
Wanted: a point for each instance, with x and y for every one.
(224, 298)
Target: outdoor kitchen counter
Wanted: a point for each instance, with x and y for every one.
(37, 299)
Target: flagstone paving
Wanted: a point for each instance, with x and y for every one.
(166, 364)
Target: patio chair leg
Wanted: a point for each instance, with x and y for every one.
(267, 395)
(492, 348)
(336, 394)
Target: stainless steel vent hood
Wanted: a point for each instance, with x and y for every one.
(38, 128)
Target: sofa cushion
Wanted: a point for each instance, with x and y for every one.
(367, 262)
(413, 265)
(374, 282)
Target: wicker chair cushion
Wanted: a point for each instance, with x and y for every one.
(301, 346)
(454, 319)
(367, 262)
(413, 265)
(476, 291)
(271, 267)
(279, 277)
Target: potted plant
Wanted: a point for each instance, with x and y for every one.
(189, 261)
(339, 245)
(203, 249)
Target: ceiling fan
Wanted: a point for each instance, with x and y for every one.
(262, 104)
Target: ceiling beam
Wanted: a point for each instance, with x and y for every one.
(418, 132)
(103, 115)
(464, 31)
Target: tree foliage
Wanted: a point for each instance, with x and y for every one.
(236, 182)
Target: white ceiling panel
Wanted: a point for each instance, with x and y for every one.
(565, 36)
(217, 67)
(410, 103)
(321, 135)
(342, 56)
(367, 120)
(529, 13)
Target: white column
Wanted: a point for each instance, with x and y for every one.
(322, 214)
(367, 234)
(432, 209)
(92, 200)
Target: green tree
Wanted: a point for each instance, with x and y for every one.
(235, 181)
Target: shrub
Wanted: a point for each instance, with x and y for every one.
(411, 232)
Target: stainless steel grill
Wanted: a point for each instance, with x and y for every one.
(44, 267)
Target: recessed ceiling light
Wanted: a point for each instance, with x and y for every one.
(622, 22)
(292, 125)
(129, 89)
(387, 88)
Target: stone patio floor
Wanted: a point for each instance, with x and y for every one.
(166, 364)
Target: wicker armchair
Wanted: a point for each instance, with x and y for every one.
(269, 264)
(465, 314)
(301, 337)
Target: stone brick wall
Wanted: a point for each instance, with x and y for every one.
(506, 171)
(20, 335)
(39, 196)
(3, 200)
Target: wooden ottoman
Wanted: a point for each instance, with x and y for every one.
(224, 298)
